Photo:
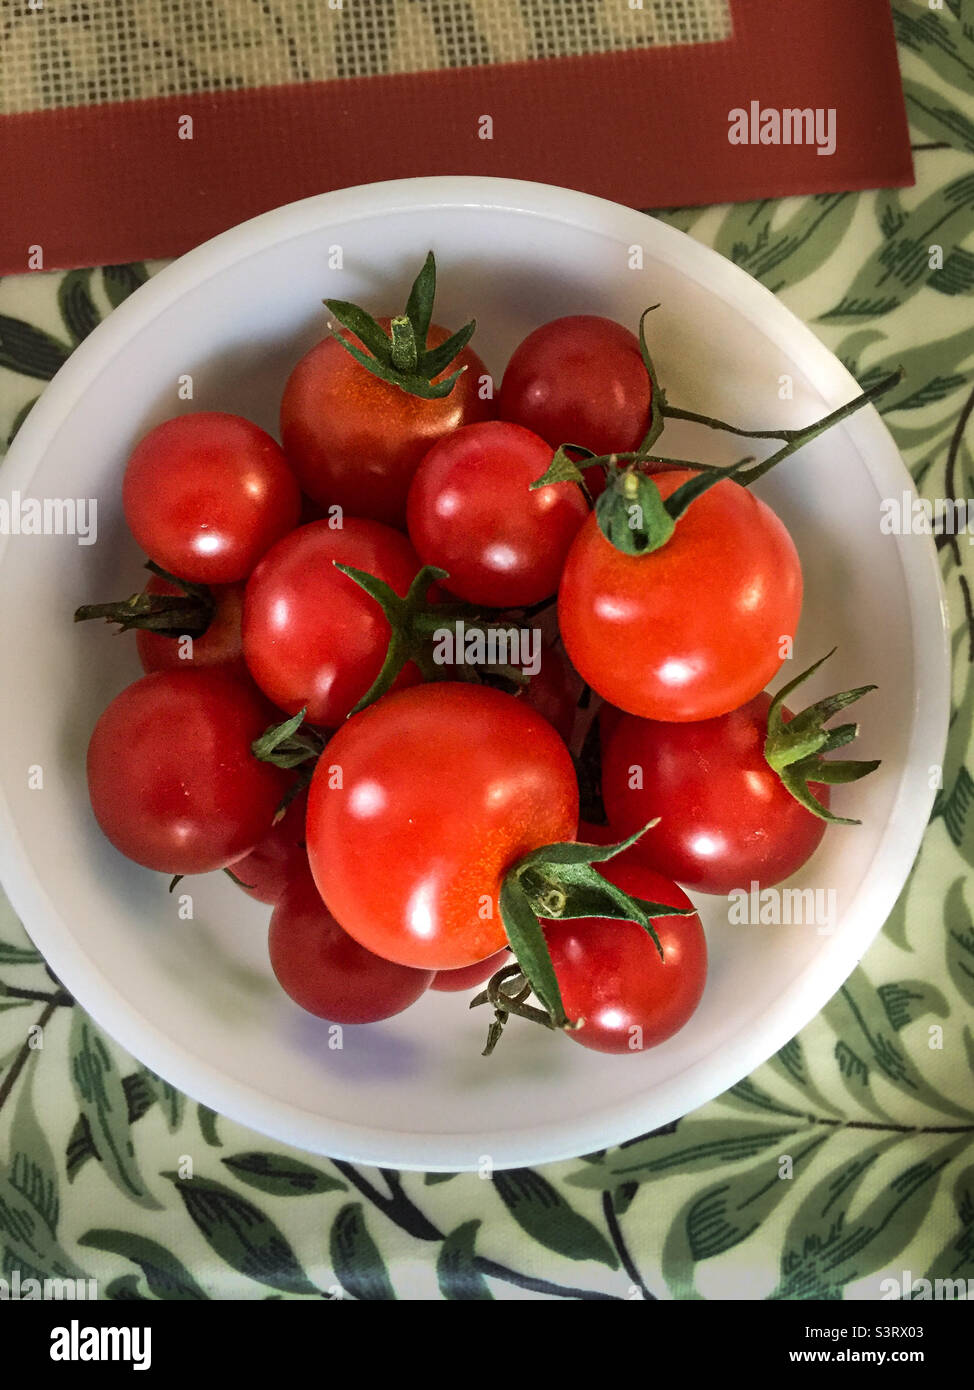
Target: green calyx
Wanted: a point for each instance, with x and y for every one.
(558, 883)
(288, 745)
(401, 356)
(636, 519)
(795, 749)
(188, 614)
(417, 628)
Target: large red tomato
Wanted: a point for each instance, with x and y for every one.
(355, 440)
(418, 808)
(695, 628)
(171, 776)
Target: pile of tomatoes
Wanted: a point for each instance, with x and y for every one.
(415, 822)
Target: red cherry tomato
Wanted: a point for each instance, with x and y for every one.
(328, 973)
(726, 820)
(443, 789)
(610, 973)
(579, 380)
(220, 645)
(470, 976)
(266, 871)
(313, 639)
(355, 440)
(171, 776)
(554, 691)
(206, 494)
(691, 630)
(471, 511)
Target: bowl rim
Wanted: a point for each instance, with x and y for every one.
(884, 878)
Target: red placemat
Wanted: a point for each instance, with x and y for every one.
(657, 104)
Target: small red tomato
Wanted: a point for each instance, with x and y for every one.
(579, 380)
(470, 976)
(471, 511)
(220, 645)
(206, 494)
(171, 776)
(355, 440)
(695, 628)
(444, 788)
(554, 691)
(266, 871)
(328, 973)
(610, 973)
(313, 639)
(726, 819)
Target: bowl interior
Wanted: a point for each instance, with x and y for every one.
(182, 979)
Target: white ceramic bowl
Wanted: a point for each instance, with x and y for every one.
(195, 999)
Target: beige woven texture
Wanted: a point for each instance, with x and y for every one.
(58, 53)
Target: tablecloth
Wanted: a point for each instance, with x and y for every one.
(872, 1103)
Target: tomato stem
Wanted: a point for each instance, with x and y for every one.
(796, 439)
(188, 614)
(505, 1004)
(791, 436)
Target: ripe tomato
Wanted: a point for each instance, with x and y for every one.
(610, 973)
(443, 788)
(172, 780)
(356, 440)
(328, 973)
(270, 866)
(691, 630)
(206, 494)
(579, 380)
(311, 637)
(220, 645)
(554, 691)
(469, 976)
(726, 820)
(471, 511)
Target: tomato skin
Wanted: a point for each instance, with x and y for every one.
(312, 637)
(691, 630)
(726, 820)
(471, 511)
(445, 786)
(579, 380)
(220, 645)
(470, 976)
(266, 871)
(206, 494)
(172, 781)
(611, 976)
(554, 692)
(327, 973)
(355, 440)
